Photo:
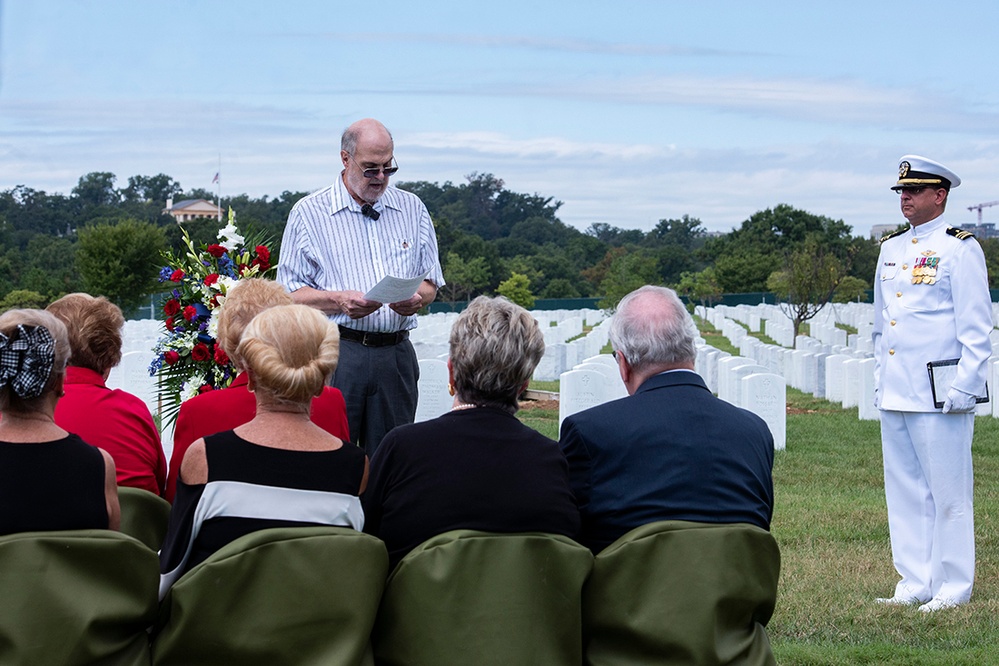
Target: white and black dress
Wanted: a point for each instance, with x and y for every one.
(252, 487)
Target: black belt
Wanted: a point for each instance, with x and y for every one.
(373, 339)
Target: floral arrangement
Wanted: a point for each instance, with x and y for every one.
(187, 359)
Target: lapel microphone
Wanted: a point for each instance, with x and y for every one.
(367, 210)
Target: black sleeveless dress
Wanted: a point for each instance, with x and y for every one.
(51, 486)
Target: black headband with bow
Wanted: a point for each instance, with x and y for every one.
(26, 359)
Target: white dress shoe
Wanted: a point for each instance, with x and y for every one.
(938, 604)
(898, 601)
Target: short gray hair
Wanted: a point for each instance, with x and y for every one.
(651, 327)
(495, 346)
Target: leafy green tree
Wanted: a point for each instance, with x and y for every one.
(627, 272)
(614, 236)
(745, 257)
(153, 189)
(701, 287)
(687, 233)
(806, 283)
(464, 277)
(990, 246)
(22, 298)
(120, 261)
(517, 288)
(560, 288)
(850, 289)
(48, 267)
(745, 270)
(97, 189)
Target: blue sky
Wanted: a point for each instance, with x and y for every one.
(628, 112)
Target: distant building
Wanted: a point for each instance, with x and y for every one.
(192, 209)
(984, 230)
(879, 230)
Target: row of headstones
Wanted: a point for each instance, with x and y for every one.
(565, 344)
(839, 373)
(583, 353)
(430, 339)
(597, 380)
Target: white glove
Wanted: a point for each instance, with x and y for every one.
(958, 402)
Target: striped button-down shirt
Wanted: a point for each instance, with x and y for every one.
(329, 245)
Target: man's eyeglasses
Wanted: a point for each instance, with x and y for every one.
(372, 172)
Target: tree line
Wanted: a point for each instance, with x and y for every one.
(106, 238)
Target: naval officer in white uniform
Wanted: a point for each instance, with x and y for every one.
(931, 303)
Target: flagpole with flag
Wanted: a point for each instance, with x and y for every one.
(217, 180)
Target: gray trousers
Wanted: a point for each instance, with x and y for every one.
(379, 387)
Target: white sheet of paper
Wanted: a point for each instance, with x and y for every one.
(394, 289)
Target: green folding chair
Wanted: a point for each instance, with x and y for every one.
(678, 592)
(76, 597)
(301, 595)
(143, 515)
(467, 597)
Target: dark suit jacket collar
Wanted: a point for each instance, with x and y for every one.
(678, 378)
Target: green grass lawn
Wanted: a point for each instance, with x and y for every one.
(832, 526)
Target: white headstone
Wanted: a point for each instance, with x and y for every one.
(835, 377)
(434, 398)
(851, 382)
(766, 396)
(579, 390)
(866, 410)
(132, 376)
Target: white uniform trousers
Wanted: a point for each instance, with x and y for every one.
(929, 492)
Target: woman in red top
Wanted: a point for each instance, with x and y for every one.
(217, 411)
(114, 420)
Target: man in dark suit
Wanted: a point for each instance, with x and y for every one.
(670, 450)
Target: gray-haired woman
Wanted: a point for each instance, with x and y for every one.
(476, 467)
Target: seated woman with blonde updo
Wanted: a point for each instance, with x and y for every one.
(49, 479)
(278, 470)
(216, 411)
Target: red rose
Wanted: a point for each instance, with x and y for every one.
(211, 279)
(190, 313)
(205, 388)
(215, 301)
(177, 275)
(169, 324)
(220, 356)
(262, 264)
(200, 352)
(171, 357)
(263, 254)
(216, 250)
(171, 307)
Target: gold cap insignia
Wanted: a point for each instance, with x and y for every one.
(903, 169)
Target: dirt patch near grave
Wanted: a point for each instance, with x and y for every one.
(528, 405)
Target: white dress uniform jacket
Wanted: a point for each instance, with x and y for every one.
(931, 303)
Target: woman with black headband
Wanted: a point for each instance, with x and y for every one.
(49, 479)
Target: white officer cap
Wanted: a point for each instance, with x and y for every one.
(915, 171)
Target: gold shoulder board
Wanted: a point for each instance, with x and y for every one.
(897, 232)
(960, 234)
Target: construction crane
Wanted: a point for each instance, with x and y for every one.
(980, 206)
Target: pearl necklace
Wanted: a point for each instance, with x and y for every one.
(463, 405)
